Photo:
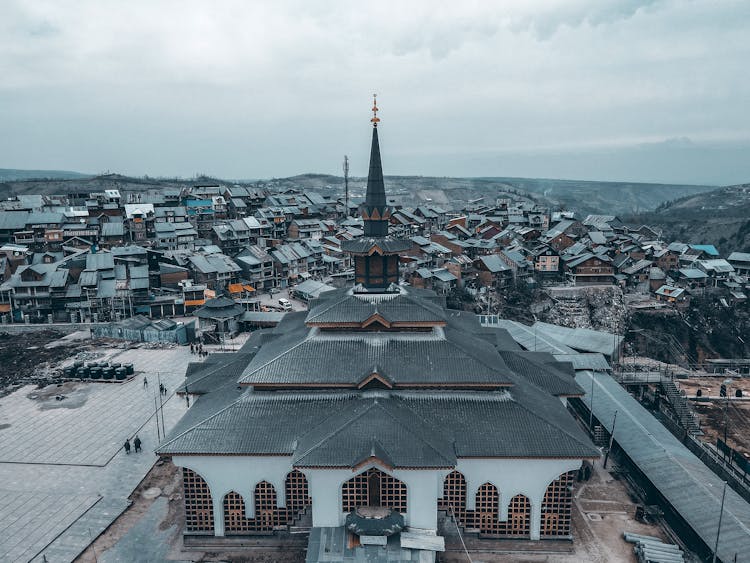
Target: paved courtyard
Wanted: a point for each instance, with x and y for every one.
(64, 476)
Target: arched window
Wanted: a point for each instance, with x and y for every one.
(518, 523)
(487, 508)
(454, 496)
(266, 514)
(556, 506)
(297, 493)
(373, 488)
(234, 514)
(199, 510)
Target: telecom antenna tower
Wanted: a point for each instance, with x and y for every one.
(346, 186)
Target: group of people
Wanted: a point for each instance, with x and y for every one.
(136, 443)
(162, 389)
(198, 349)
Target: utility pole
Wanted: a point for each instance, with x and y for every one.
(346, 186)
(591, 398)
(721, 514)
(156, 416)
(611, 440)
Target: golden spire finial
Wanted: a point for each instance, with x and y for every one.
(375, 119)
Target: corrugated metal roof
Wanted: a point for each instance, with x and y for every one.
(682, 479)
(582, 339)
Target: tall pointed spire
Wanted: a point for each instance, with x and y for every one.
(376, 254)
(374, 210)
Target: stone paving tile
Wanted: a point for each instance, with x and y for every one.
(64, 476)
(90, 425)
(36, 520)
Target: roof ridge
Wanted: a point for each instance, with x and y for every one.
(285, 352)
(336, 430)
(331, 306)
(201, 422)
(427, 439)
(472, 355)
(545, 420)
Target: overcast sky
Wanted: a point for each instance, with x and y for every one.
(580, 89)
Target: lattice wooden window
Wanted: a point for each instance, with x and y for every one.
(358, 491)
(556, 506)
(297, 492)
(454, 496)
(234, 514)
(267, 515)
(266, 512)
(199, 510)
(487, 508)
(486, 515)
(519, 518)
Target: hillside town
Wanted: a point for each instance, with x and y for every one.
(242, 304)
(103, 257)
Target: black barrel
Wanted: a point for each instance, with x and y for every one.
(120, 373)
(69, 371)
(78, 364)
(115, 365)
(129, 368)
(96, 373)
(83, 372)
(108, 373)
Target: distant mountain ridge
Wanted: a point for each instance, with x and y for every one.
(720, 217)
(12, 174)
(582, 196)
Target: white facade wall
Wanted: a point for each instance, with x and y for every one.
(529, 477)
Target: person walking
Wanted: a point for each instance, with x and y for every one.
(145, 383)
(137, 444)
(127, 445)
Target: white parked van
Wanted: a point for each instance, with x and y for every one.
(285, 304)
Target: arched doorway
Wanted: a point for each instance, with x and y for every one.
(373, 488)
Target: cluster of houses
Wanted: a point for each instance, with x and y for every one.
(110, 255)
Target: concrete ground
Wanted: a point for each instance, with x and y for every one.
(272, 300)
(64, 476)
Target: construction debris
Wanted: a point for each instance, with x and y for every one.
(649, 549)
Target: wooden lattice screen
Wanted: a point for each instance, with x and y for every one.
(268, 515)
(199, 510)
(297, 492)
(557, 506)
(356, 491)
(487, 510)
(454, 496)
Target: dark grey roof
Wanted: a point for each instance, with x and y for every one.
(303, 356)
(381, 428)
(544, 371)
(682, 478)
(412, 429)
(343, 306)
(362, 245)
(219, 308)
(216, 370)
